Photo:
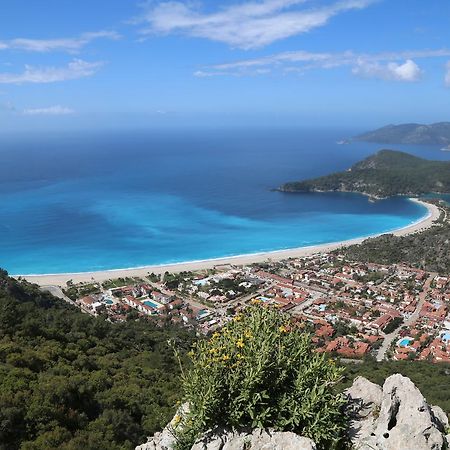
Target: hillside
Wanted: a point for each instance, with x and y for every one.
(428, 250)
(384, 174)
(410, 133)
(70, 381)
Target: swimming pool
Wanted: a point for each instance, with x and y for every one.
(405, 342)
(151, 304)
(446, 337)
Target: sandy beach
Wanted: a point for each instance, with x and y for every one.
(61, 279)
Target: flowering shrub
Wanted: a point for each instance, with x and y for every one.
(260, 371)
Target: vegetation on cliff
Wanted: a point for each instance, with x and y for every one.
(383, 174)
(260, 371)
(70, 381)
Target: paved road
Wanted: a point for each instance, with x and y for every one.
(389, 338)
(58, 292)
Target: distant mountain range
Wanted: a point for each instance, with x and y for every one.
(384, 174)
(410, 133)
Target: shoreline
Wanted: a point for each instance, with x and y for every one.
(238, 260)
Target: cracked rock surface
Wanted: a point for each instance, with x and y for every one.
(396, 417)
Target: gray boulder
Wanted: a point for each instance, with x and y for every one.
(257, 439)
(363, 408)
(398, 419)
(165, 439)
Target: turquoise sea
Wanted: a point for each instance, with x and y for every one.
(82, 201)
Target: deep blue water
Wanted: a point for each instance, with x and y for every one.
(91, 201)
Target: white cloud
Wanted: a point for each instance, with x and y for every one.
(388, 66)
(408, 71)
(75, 69)
(447, 74)
(50, 111)
(246, 25)
(71, 45)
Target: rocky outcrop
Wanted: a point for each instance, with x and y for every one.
(257, 439)
(165, 439)
(160, 441)
(394, 417)
(220, 439)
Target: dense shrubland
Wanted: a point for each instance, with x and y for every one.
(428, 250)
(71, 381)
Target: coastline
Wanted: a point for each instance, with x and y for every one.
(276, 255)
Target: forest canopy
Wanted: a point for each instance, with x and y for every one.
(71, 381)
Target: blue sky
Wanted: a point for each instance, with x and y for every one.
(125, 63)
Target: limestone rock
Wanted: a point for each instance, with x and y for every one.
(363, 408)
(401, 419)
(257, 439)
(160, 441)
(440, 416)
(165, 439)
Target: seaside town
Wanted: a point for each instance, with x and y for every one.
(352, 310)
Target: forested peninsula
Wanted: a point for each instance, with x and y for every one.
(384, 174)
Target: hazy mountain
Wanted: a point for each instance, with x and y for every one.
(410, 133)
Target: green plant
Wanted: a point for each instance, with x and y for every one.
(260, 371)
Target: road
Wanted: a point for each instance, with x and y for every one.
(389, 338)
(58, 292)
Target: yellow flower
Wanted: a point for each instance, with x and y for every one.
(248, 335)
(240, 343)
(283, 329)
(191, 354)
(238, 318)
(225, 357)
(255, 301)
(176, 420)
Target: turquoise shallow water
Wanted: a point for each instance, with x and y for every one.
(82, 202)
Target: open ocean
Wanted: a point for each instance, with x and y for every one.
(74, 202)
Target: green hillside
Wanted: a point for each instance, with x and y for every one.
(429, 250)
(383, 174)
(69, 381)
